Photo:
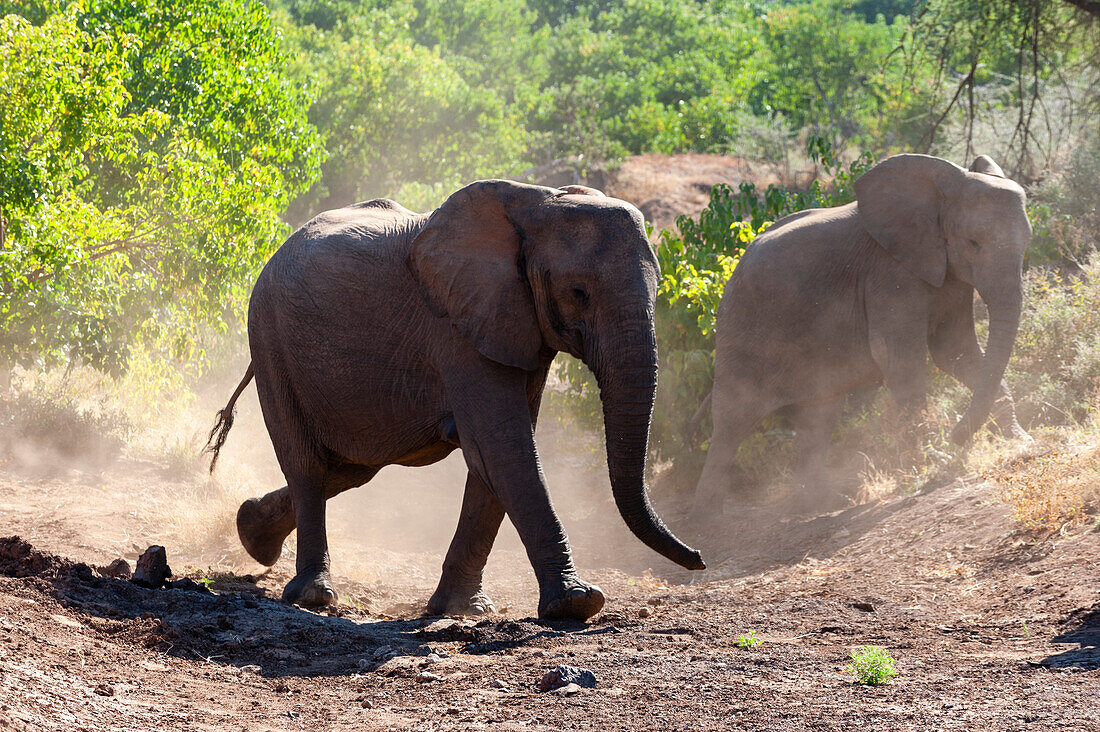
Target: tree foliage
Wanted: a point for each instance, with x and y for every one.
(146, 151)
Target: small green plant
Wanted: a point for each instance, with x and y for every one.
(872, 665)
(747, 641)
(206, 582)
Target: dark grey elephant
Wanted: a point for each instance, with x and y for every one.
(380, 336)
(828, 301)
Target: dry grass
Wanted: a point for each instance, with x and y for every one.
(1052, 482)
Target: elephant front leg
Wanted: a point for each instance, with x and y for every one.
(494, 421)
(813, 424)
(460, 591)
(900, 349)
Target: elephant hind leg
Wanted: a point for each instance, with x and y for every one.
(460, 591)
(736, 413)
(264, 523)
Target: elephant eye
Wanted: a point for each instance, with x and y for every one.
(580, 295)
(975, 245)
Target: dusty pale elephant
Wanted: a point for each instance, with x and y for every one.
(828, 301)
(380, 336)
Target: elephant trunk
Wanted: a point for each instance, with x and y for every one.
(626, 372)
(1004, 321)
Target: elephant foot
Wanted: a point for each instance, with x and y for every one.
(310, 590)
(447, 601)
(263, 525)
(572, 599)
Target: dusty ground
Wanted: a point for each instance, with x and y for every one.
(992, 628)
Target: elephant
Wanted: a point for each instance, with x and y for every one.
(834, 300)
(380, 336)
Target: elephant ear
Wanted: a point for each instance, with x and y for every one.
(900, 201)
(985, 164)
(467, 262)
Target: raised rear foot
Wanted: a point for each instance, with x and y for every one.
(571, 599)
(310, 590)
(263, 524)
(448, 601)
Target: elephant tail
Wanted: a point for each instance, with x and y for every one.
(225, 420)
(697, 419)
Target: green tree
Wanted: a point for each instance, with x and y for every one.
(829, 71)
(395, 114)
(145, 153)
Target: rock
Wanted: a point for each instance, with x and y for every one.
(644, 612)
(866, 607)
(498, 684)
(426, 677)
(105, 690)
(188, 585)
(568, 690)
(251, 669)
(565, 675)
(364, 664)
(366, 703)
(119, 568)
(434, 658)
(152, 568)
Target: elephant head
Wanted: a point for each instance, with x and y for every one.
(522, 271)
(940, 220)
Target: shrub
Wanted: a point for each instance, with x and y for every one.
(58, 424)
(747, 641)
(872, 665)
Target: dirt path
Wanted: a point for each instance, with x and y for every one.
(992, 628)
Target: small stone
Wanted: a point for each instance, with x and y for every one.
(498, 684)
(366, 703)
(105, 690)
(568, 690)
(187, 585)
(644, 612)
(434, 658)
(251, 669)
(453, 710)
(866, 607)
(364, 664)
(119, 568)
(565, 675)
(426, 677)
(152, 568)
